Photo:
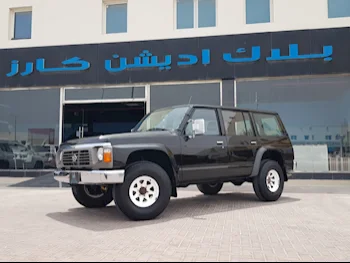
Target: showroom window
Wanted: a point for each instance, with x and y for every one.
(116, 18)
(258, 11)
(29, 129)
(22, 23)
(338, 8)
(316, 108)
(179, 94)
(195, 13)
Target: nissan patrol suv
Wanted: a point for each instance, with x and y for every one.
(176, 147)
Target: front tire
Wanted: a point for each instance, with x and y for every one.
(210, 189)
(269, 184)
(93, 196)
(145, 193)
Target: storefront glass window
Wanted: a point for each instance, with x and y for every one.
(29, 129)
(105, 93)
(316, 113)
(170, 95)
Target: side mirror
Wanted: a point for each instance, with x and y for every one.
(197, 127)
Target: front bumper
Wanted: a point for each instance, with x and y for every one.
(90, 177)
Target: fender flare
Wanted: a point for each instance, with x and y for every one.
(258, 158)
(124, 151)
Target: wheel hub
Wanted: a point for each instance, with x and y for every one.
(144, 191)
(273, 181)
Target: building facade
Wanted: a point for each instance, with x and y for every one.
(74, 69)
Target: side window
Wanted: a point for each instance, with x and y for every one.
(210, 121)
(267, 125)
(234, 123)
(248, 124)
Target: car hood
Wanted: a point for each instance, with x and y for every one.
(124, 138)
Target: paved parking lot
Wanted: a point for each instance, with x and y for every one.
(310, 222)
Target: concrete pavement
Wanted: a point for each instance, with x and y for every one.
(307, 223)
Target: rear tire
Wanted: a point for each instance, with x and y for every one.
(269, 184)
(210, 189)
(145, 193)
(93, 196)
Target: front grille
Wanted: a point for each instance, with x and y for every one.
(76, 158)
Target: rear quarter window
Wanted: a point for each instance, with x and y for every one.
(267, 125)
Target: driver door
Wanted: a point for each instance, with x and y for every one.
(204, 157)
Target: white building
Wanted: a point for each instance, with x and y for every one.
(65, 22)
(71, 68)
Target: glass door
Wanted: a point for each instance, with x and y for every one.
(73, 123)
(95, 119)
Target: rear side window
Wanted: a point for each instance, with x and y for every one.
(237, 123)
(267, 125)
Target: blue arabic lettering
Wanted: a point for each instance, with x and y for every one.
(206, 56)
(14, 68)
(29, 69)
(150, 61)
(294, 54)
(192, 59)
(145, 60)
(122, 64)
(40, 65)
(166, 65)
(255, 55)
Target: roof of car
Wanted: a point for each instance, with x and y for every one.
(221, 107)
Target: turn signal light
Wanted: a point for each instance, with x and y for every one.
(107, 155)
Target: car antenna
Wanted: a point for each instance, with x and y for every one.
(189, 101)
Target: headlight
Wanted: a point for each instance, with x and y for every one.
(100, 154)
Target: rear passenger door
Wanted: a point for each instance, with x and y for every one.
(241, 141)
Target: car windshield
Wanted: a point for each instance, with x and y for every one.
(163, 120)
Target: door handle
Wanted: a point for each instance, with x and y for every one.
(220, 143)
(253, 142)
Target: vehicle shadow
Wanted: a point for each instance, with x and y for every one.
(198, 207)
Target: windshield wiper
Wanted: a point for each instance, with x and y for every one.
(157, 129)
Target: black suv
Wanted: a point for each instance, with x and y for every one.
(177, 147)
